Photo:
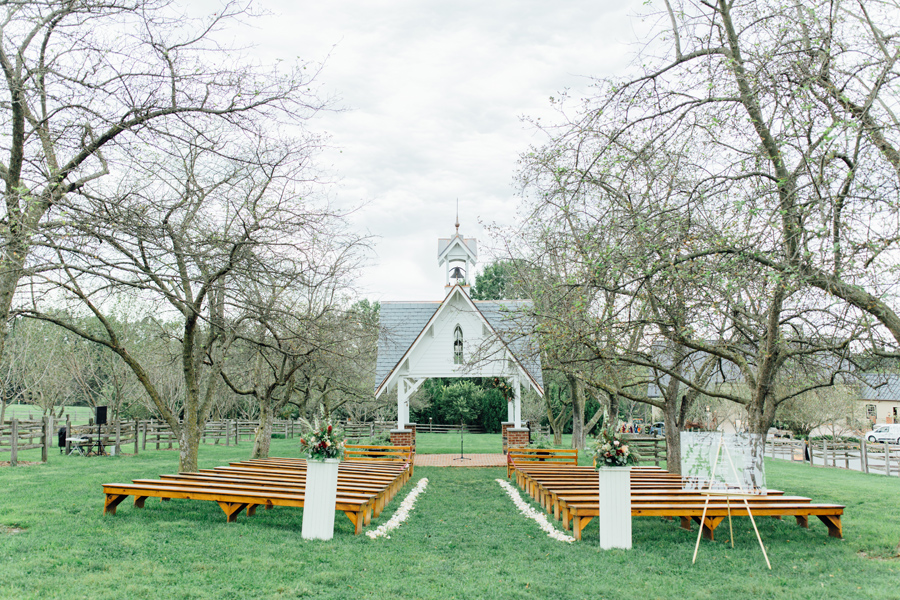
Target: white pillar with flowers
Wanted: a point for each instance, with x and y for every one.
(613, 459)
(323, 450)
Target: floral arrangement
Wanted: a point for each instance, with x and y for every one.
(322, 442)
(610, 450)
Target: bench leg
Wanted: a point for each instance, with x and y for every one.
(708, 526)
(232, 509)
(833, 522)
(251, 510)
(112, 501)
(686, 523)
(139, 501)
(356, 520)
(578, 525)
(802, 521)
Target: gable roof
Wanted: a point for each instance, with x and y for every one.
(877, 386)
(402, 324)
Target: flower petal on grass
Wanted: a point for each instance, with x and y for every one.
(402, 512)
(529, 512)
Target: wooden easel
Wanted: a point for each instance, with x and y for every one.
(728, 494)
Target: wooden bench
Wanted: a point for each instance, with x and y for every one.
(232, 500)
(554, 456)
(358, 452)
(572, 495)
(717, 511)
(363, 488)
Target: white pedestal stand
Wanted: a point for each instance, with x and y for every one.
(615, 507)
(319, 499)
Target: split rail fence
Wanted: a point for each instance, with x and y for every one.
(868, 457)
(16, 435)
(649, 447)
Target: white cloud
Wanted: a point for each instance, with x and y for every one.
(436, 92)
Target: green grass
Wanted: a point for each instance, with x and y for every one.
(79, 414)
(464, 539)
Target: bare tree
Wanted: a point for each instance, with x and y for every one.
(87, 82)
(202, 219)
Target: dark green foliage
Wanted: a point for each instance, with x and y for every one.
(475, 400)
(498, 281)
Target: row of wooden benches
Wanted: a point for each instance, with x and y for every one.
(366, 483)
(571, 494)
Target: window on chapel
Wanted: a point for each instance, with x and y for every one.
(457, 346)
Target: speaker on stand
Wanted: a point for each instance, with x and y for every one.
(100, 420)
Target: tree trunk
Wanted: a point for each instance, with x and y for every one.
(189, 447)
(673, 435)
(263, 440)
(613, 411)
(577, 396)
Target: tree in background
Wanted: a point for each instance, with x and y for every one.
(209, 215)
(498, 281)
(87, 83)
(434, 402)
(705, 199)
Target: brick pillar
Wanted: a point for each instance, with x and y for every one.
(504, 427)
(404, 437)
(517, 437)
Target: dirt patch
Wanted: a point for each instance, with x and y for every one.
(22, 463)
(11, 529)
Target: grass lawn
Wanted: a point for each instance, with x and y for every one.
(464, 539)
(79, 414)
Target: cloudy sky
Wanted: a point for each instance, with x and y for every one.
(436, 92)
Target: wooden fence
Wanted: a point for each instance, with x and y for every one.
(868, 457)
(226, 432)
(649, 447)
(16, 435)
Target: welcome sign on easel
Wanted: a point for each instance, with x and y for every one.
(727, 466)
(712, 460)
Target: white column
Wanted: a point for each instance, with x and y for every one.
(615, 507)
(517, 416)
(510, 411)
(402, 403)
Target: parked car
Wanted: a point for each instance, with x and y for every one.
(779, 433)
(885, 433)
(658, 428)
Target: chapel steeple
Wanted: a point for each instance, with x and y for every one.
(458, 255)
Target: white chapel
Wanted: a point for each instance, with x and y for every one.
(456, 337)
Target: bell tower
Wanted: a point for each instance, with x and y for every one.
(458, 255)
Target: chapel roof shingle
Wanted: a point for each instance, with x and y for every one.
(402, 322)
